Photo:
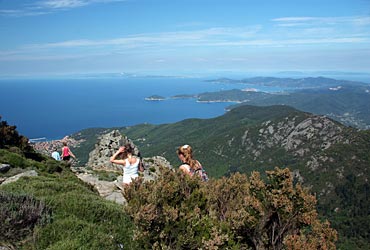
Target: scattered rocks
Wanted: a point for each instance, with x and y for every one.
(106, 189)
(4, 168)
(16, 177)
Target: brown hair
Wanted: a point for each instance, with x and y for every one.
(128, 150)
(187, 152)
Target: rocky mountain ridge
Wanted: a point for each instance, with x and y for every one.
(105, 147)
(329, 158)
(308, 137)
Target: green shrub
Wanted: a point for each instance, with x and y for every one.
(10, 137)
(18, 161)
(74, 233)
(170, 212)
(14, 159)
(179, 212)
(19, 214)
(107, 175)
(80, 219)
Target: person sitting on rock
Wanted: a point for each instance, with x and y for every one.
(124, 156)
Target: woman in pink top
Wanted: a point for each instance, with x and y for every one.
(66, 152)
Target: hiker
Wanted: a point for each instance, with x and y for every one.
(66, 152)
(189, 165)
(124, 156)
(55, 154)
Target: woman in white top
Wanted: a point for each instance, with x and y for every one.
(129, 162)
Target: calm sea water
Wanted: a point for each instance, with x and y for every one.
(55, 108)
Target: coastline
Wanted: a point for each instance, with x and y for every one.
(47, 147)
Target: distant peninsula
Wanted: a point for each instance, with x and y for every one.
(155, 98)
(184, 96)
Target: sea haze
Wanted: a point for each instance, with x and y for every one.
(53, 108)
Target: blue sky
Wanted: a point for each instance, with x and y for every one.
(179, 37)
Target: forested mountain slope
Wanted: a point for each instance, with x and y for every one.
(325, 155)
(330, 158)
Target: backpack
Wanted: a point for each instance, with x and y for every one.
(202, 173)
(141, 166)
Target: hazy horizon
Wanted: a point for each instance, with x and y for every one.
(182, 38)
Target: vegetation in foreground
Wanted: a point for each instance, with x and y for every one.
(71, 215)
(54, 210)
(172, 213)
(178, 212)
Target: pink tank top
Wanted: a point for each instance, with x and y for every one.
(65, 151)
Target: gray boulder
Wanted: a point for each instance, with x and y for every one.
(4, 168)
(18, 176)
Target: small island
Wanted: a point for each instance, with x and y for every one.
(155, 98)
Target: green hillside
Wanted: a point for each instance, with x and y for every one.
(329, 157)
(299, 83)
(53, 209)
(218, 141)
(348, 104)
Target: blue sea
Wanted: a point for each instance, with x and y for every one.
(53, 108)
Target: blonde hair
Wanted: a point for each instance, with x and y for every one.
(187, 152)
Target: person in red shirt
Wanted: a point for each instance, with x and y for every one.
(67, 153)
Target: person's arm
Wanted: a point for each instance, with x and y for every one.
(114, 156)
(70, 152)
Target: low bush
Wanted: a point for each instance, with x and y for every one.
(179, 212)
(80, 218)
(107, 175)
(19, 214)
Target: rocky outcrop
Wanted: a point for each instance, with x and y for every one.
(112, 190)
(106, 189)
(297, 137)
(152, 167)
(106, 146)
